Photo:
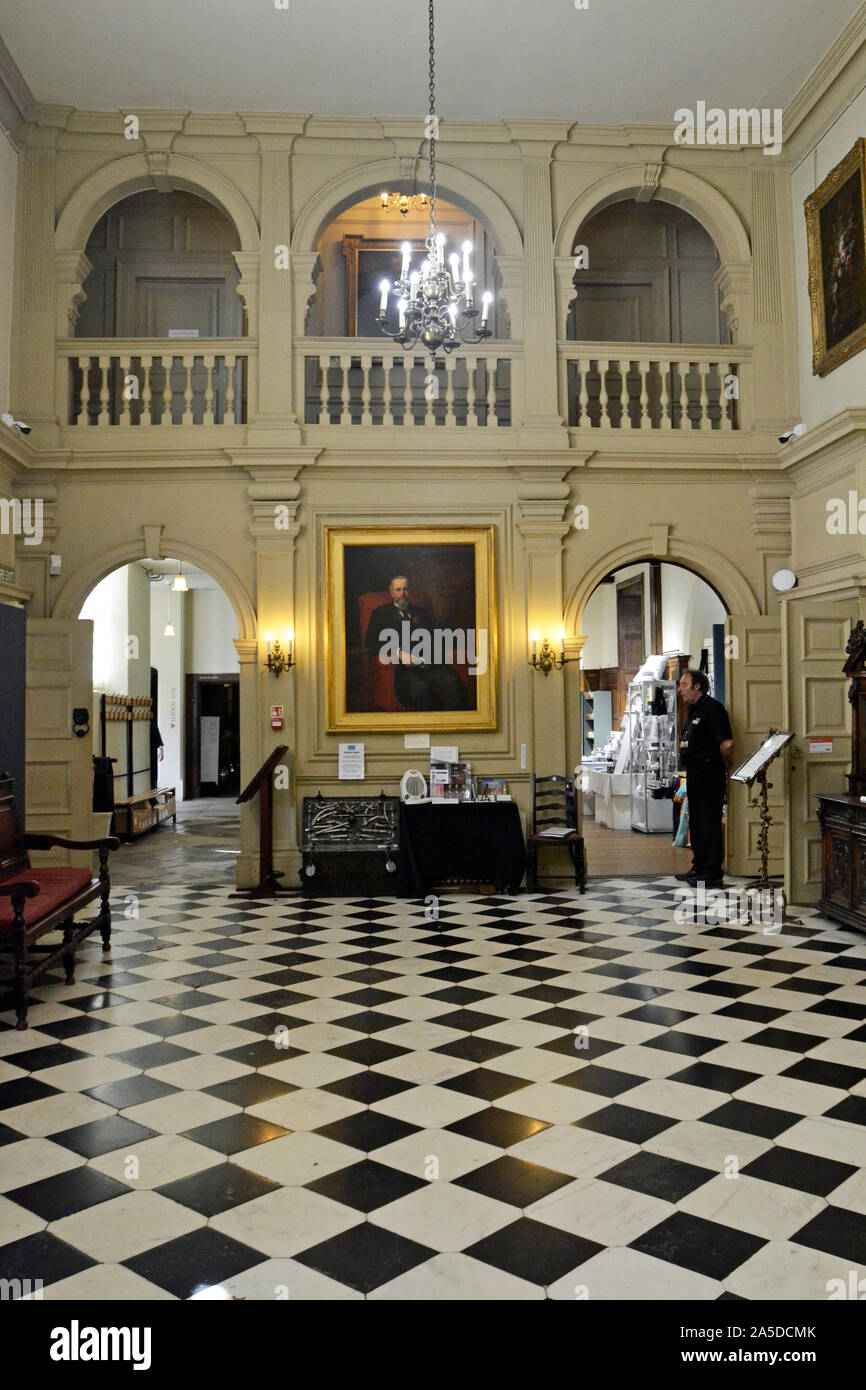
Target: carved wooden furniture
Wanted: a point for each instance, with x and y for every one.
(36, 902)
(350, 844)
(842, 817)
(135, 815)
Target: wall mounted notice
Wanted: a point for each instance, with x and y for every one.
(210, 748)
(351, 762)
(820, 745)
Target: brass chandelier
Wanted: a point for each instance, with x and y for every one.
(435, 304)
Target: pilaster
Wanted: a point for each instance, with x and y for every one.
(771, 525)
(32, 385)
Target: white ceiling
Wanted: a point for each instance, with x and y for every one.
(619, 61)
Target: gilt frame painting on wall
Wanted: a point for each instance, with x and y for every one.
(836, 235)
(410, 628)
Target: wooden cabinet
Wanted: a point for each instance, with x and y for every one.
(843, 859)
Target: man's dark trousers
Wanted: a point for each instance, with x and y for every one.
(705, 789)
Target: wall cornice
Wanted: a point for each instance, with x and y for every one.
(841, 433)
(803, 114)
(16, 99)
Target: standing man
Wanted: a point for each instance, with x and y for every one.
(705, 753)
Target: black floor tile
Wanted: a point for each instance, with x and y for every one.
(600, 1081)
(366, 1185)
(367, 1130)
(102, 1136)
(37, 1059)
(825, 1073)
(9, 1136)
(22, 1090)
(368, 1052)
(367, 1087)
(502, 1127)
(468, 1020)
(43, 1256)
(785, 1039)
(657, 1013)
(74, 1190)
(689, 1044)
(703, 1246)
(131, 1090)
(804, 1172)
(475, 1049)
(249, 1090)
(762, 1120)
(838, 1231)
(485, 1083)
(217, 1189)
(532, 1251)
(625, 1122)
(514, 1181)
(852, 1109)
(173, 1025)
(264, 1053)
(713, 1077)
(753, 1013)
(74, 1027)
(234, 1133)
(368, 1021)
(199, 1260)
(657, 1176)
(151, 1055)
(365, 1257)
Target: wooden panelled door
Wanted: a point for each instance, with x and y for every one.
(753, 675)
(59, 693)
(817, 709)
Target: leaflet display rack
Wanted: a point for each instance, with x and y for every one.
(651, 711)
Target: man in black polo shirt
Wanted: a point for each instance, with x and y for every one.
(705, 753)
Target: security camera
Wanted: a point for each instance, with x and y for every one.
(14, 424)
(792, 434)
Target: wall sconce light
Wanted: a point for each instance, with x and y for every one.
(547, 660)
(278, 659)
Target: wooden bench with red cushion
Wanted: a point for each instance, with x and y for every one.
(37, 902)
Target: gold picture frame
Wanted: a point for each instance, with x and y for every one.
(451, 624)
(836, 237)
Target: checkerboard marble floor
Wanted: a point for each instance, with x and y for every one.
(530, 1097)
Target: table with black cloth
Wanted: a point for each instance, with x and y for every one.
(476, 841)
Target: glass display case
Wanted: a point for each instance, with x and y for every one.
(651, 708)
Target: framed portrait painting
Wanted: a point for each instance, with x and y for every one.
(410, 628)
(836, 234)
(368, 263)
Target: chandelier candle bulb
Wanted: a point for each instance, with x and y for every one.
(413, 286)
(402, 310)
(407, 252)
(385, 289)
(290, 641)
(467, 270)
(486, 301)
(533, 637)
(269, 637)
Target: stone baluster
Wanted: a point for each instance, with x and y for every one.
(666, 371)
(624, 418)
(229, 417)
(188, 360)
(146, 392)
(124, 367)
(685, 423)
(366, 388)
(167, 362)
(324, 415)
(209, 360)
(644, 421)
(605, 421)
(104, 417)
(84, 391)
(582, 367)
(408, 417)
(345, 367)
(706, 422)
(471, 415)
(387, 401)
(491, 366)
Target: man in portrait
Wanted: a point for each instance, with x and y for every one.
(402, 634)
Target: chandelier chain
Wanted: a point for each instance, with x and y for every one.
(432, 125)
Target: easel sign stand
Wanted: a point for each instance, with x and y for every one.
(263, 783)
(754, 770)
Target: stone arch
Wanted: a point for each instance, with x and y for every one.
(71, 598)
(710, 565)
(353, 185)
(133, 174)
(694, 195)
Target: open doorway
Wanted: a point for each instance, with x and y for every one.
(164, 763)
(644, 624)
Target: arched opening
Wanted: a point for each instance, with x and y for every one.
(360, 246)
(166, 716)
(644, 623)
(162, 266)
(648, 276)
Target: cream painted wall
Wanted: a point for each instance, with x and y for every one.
(820, 397)
(8, 174)
(166, 654)
(209, 628)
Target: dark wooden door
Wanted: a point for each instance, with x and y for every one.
(213, 696)
(629, 632)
